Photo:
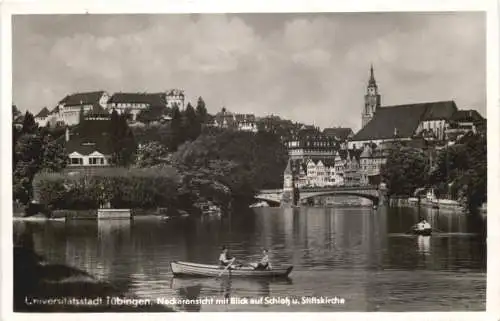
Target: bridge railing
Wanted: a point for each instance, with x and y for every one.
(326, 188)
(339, 188)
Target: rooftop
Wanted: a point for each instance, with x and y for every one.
(340, 133)
(467, 116)
(152, 99)
(403, 120)
(87, 98)
(43, 113)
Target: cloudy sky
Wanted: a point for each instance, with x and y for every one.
(311, 68)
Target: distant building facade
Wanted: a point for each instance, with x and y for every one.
(175, 97)
(42, 118)
(239, 122)
(134, 103)
(98, 104)
(463, 122)
(310, 142)
(341, 134)
(70, 106)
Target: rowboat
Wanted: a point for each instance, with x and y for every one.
(204, 270)
(426, 232)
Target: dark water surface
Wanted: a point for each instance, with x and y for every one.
(356, 254)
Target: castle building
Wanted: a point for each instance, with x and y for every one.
(98, 105)
(175, 97)
(68, 109)
(134, 103)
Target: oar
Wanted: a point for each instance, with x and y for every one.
(411, 229)
(227, 266)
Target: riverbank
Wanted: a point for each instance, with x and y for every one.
(69, 215)
(444, 204)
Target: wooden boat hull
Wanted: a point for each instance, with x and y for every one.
(423, 232)
(204, 270)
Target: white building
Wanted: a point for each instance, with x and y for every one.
(89, 146)
(240, 122)
(70, 106)
(42, 118)
(175, 97)
(134, 103)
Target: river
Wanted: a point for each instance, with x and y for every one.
(359, 257)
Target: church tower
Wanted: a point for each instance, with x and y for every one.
(372, 100)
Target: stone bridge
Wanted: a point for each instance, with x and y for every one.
(372, 193)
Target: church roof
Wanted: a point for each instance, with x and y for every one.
(403, 120)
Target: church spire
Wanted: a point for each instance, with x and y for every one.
(372, 81)
(372, 99)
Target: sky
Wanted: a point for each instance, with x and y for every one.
(310, 67)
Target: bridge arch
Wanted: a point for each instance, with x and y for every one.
(373, 198)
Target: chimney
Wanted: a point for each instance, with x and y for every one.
(67, 134)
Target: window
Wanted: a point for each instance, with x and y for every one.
(96, 160)
(76, 161)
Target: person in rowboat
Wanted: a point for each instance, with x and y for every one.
(224, 260)
(264, 262)
(420, 225)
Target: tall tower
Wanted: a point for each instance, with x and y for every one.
(372, 100)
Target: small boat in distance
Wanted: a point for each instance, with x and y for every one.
(259, 204)
(209, 209)
(205, 270)
(424, 232)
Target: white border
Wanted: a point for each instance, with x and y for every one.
(200, 6)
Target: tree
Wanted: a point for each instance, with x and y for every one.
(191, 125)
(175, 129)
(151, 154)
(29, 124)
(201, 111)
(54, 157)
(15, 112)
(461, 170)
(405, 170)
(123, 143)
(27, 157)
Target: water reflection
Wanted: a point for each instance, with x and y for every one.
(335, 251)
(424, 244)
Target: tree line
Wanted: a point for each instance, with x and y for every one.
(212, 165)
(457, 172)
